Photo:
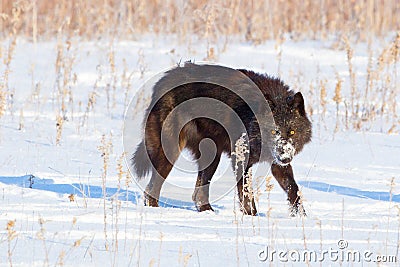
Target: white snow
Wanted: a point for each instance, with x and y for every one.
(345, 177)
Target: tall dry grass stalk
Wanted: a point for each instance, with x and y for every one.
(268, 188)
(11, 235)
(105, 148)
(241, 149)
(3, 101)
(338, 99)
(65, 78)
(352, 75)
(116, 208)
(323, 102)
(4, 88)
(59, 128)
(41, 235)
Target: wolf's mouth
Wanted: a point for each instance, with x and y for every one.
(281, 162)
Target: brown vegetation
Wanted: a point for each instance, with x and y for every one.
(253, 20)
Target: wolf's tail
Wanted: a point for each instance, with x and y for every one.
(141, 161)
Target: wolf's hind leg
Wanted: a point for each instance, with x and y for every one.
(202, 191)
(160, 170)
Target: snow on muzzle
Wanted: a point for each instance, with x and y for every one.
(283, 151)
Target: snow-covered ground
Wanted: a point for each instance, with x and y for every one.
(66, 198)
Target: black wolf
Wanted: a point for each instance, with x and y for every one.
(174, 121)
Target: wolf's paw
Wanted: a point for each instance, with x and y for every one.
(150, 201)
(249, 208)
(203, 207)
(249, 211)
(295, 210)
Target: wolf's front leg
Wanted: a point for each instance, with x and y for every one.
(285, 178)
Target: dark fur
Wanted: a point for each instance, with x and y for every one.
(288, 113)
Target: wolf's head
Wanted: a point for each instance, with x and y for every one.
(292, 131)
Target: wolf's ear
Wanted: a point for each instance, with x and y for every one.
(298, 104)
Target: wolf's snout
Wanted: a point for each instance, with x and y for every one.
(282, 160)
(284, 152)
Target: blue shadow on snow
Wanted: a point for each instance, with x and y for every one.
(90, 191)
(348, 191)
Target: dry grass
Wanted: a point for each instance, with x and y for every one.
(338, 99)
(106, 149)
(253, 20)
(11, 235)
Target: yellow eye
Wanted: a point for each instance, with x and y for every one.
(273, 132)
(292, 132)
